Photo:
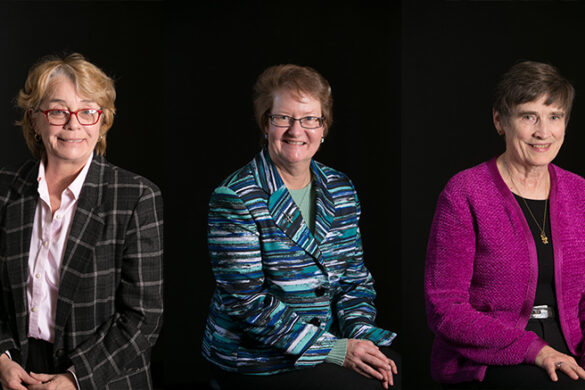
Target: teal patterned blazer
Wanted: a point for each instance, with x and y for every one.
(284, 295)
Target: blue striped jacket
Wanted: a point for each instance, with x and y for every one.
(283, 295)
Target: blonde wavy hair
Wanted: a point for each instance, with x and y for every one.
(90, 81)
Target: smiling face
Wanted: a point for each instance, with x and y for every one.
(293, 147)
(71, 143)
(534, 132)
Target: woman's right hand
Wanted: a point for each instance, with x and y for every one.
(366, 359)
(552, 360)
(12, 375)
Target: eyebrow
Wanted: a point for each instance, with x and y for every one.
(63, 101)
(558, 113)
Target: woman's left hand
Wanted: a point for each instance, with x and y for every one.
(552, 360)
(365, 358)
(54, 382)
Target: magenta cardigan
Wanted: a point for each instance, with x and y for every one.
(481, 273)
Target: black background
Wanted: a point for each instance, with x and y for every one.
(412, 85)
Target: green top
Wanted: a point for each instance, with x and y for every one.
(337, 353)
(305, 201)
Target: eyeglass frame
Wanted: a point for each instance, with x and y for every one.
(70, 114)
(292, 120)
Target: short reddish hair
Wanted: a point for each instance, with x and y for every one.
(302, 79)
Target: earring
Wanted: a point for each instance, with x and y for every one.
(322, 139)
(38, 137)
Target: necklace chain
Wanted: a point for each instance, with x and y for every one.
(543, 236)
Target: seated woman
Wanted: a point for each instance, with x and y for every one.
(80, 244)
(293, 303)
(505, 267)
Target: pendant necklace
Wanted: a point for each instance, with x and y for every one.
(543, 236)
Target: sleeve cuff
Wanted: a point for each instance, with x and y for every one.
(317, 352)
(337, 353)
(533, 350)
(71, 370)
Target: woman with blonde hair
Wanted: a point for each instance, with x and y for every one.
(80, 243)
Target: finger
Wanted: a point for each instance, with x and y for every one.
(371, 371)
(393, 366)
(573, 371)
(377, 360)
(41, 377)
(23, 376)
(385, 380)
(360, 371)
(14, 385)
(552, 372)
(390, 378)
(580, 371)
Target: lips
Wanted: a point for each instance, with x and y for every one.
(540, 146)
(70, 140)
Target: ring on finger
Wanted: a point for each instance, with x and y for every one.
(558, 364)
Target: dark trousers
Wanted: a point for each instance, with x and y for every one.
(527, 376)
(40, 357)
(323, 376)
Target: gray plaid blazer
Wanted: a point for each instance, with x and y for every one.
(109, 309)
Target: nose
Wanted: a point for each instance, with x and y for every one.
(541, 129)
(73, 123)
(295, 128)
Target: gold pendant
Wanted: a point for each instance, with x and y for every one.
(544, 238)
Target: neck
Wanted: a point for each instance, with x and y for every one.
(532, 182)
(59, 175)
(295, 178)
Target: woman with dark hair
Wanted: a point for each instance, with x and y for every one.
(293, 305)
(505, 268)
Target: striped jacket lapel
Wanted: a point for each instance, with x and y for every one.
(286, 214)
(87, 224)
(325, 206)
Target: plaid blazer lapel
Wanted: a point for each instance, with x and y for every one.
(20, 212)
(86, 227)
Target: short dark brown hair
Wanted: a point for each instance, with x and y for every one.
(301, 79)
(528, 81)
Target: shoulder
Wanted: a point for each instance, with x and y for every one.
(470, 178)
(568, 179)
(17, 176)
(123, 185)
(333, 175)
(473, 186)
(115, 175)
(244, 176)
(570, 185)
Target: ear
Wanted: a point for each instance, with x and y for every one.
(498, 122)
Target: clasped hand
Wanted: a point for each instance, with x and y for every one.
(365, 358)
(14, 377)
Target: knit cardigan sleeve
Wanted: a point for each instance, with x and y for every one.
(449, 273)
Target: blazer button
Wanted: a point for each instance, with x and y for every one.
(60, 353)
(319, 291)
(315, 321)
